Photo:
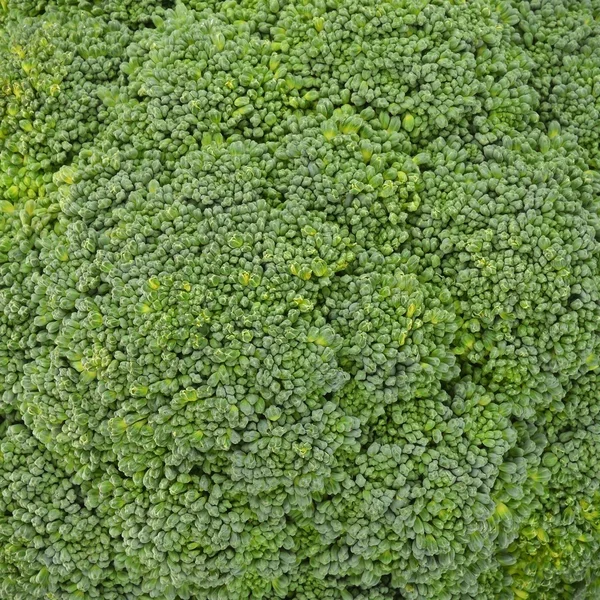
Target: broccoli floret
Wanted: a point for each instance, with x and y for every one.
(299, 300)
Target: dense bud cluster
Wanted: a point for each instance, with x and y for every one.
(299, 300)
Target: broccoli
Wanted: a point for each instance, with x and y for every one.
(299, 300)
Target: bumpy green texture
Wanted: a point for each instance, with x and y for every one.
(299, 300)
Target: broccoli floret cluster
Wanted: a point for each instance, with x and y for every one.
(562, 39)
(133, 13)
(299, 300)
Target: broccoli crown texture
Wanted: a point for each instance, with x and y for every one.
(299, 299)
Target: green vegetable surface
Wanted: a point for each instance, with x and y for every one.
(299, 300)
